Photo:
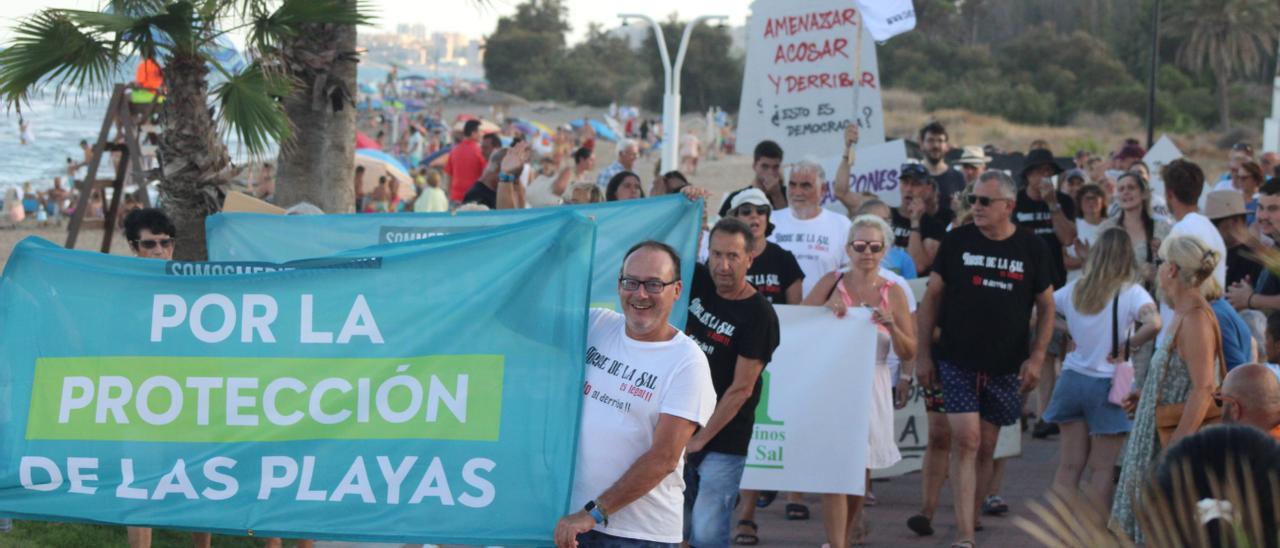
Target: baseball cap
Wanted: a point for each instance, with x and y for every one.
(752, 196)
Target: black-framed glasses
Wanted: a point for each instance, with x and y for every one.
(652, 287)
(747, 209)
(985, 201)
(861, 246)
(164, 243)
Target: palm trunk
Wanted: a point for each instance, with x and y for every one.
(318, 165)
(193, 155)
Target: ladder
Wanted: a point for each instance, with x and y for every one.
(130, 165)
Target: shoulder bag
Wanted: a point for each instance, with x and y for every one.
(1168, 415)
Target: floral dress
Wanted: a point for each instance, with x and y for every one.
(1143, 445)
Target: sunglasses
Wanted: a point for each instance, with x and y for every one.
(984, 201)
(861, 246)
(747, 209)
(165, 243)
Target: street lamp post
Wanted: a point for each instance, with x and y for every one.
(671, 85)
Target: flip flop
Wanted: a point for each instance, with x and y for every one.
(964, 544)
(920, 525)
(747, 539)
(797, 512)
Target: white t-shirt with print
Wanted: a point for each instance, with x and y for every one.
(1092, 333)
(817, 243)
(628, 384)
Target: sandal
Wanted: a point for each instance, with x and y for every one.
(964, 544)
(747, 539)
(797, 512)
(994, 506)
(920, 525)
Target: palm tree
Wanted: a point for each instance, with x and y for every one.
(1227, 37)
(89, 49)
(318, 168)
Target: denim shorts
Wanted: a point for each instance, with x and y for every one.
(995, 398)
(1077, 396)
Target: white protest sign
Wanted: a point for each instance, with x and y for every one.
(1161, 153)
(800, 77)
(811, 432)
(875, 170)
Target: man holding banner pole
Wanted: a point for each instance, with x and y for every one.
(738, 331)
(647, 389)
(1005, 270)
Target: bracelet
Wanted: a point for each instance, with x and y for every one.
(905, 377)
(505, 178)
(1248, 303)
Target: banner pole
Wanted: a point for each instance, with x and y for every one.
(857, 81)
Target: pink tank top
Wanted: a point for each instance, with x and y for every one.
(883, 340)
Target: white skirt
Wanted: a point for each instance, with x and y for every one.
(884, 447)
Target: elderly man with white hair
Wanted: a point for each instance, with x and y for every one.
(815, 235)
(628, 151)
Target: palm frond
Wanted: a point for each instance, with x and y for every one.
(268, 30)
(50, 48)
(251, 108)
(135, 8)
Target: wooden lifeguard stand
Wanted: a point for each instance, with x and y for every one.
(130, 165)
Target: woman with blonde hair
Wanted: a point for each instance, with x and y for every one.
(1101, 309)
(863, 286)
(1182, 372)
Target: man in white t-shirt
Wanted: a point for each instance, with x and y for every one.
(1183, 183)
(816, 236)
(647, 390)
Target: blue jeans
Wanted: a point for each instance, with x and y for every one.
(596, 539)
(711, 488)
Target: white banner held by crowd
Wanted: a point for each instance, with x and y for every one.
(911, 430)
(811, 432)
(801, 72)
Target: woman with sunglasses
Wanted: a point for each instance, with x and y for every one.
(863, 286)
(774, 271)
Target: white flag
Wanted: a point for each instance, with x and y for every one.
(885, 19)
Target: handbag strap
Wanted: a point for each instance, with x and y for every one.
(1115, 326)
(1217, 338)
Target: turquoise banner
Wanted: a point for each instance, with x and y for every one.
(276, 238)
(399, 393)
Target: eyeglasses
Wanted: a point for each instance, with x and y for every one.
(861, 246)
(165, 243)
(747, 209)
(650, 286)
(984, 201)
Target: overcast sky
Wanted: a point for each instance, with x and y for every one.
(460, 15)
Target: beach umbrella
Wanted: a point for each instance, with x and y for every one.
(441, 155)
(365, 141)
(602, 130)
(525, 127)
(377, 163)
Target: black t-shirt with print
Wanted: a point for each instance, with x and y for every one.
(949, 182)
(989, 290)
(726, 329)
(1039, 218)
(930, 228)
(773, 272)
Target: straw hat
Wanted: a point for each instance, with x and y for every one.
(973, 155)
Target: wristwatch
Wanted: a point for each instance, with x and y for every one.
(597, 512)
(506, 178)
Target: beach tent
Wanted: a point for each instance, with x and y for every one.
(377, 163)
